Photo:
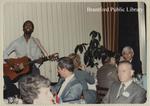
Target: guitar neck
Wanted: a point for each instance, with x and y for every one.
(36, 60)
(52, 57)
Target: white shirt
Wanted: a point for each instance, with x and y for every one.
(67, 80)
(125, 86)
(23, 48)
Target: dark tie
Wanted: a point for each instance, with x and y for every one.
(121, 90)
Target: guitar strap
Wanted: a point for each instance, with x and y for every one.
(37, 42)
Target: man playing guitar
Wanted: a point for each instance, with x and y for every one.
(25, 45)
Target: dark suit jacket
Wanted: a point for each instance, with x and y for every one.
(106, 75)
(133, 94)
(137, 66)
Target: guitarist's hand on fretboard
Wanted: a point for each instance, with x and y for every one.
(40, 61)
(54, 56)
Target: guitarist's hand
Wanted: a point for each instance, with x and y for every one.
(54, 56)
(40, 61)
(16, 68)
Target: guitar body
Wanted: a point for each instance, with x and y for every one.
(11, 72)
(24, 64)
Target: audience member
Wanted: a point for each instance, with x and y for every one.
(70, 89)
(35, 90)
(25, 45)
(125, 91)
(84, 77)
(128, 55)
(106, 75)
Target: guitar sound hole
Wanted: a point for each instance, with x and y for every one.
(18, 71)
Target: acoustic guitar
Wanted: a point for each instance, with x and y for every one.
(23, 64)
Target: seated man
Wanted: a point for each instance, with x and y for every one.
(35, 90)
(125, 91)
(70, 89)
(106, 75)
(128, 55)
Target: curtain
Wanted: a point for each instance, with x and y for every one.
(110, 19)
(142, 35)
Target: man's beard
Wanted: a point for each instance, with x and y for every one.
(28, 33)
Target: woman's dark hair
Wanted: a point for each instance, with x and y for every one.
(105, 59)
(66, 62)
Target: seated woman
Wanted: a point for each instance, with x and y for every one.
(35, 90)
(85, 78)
